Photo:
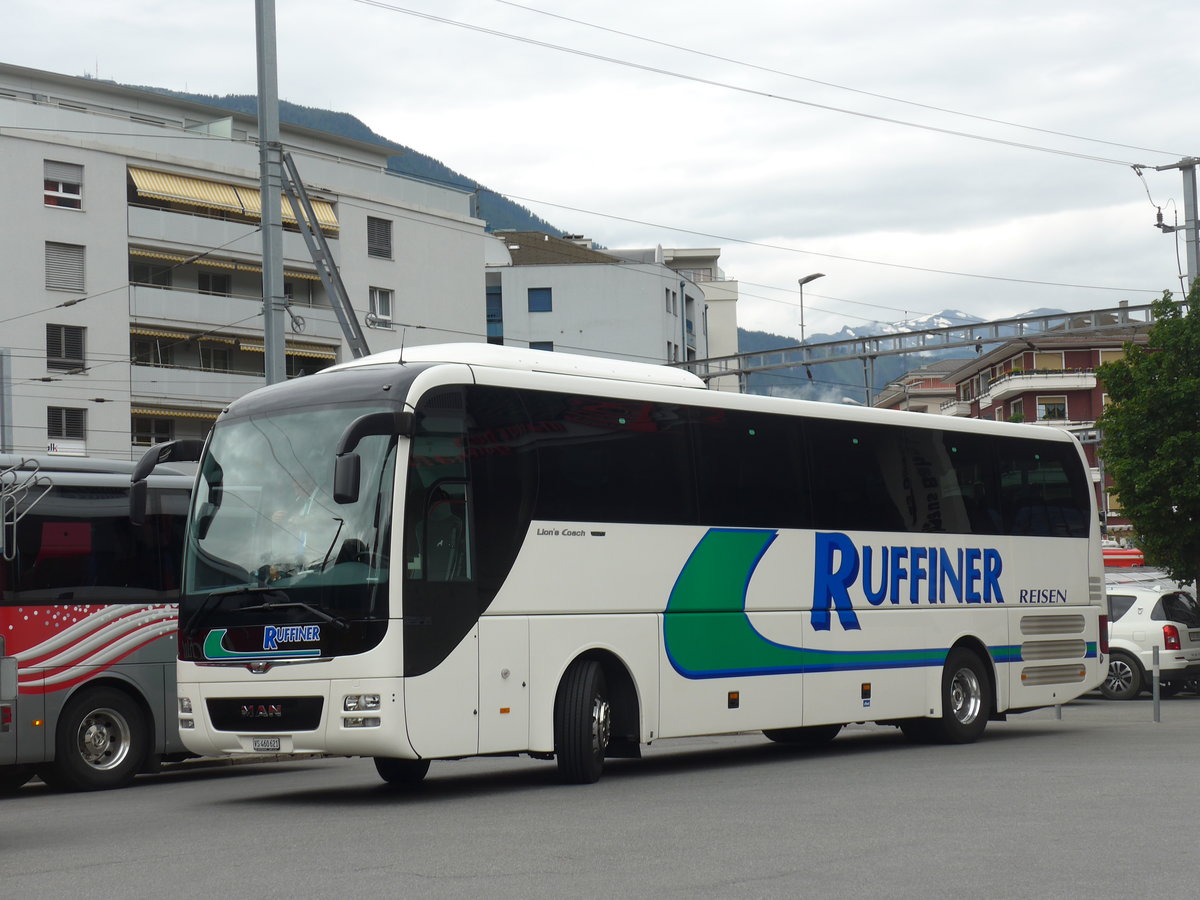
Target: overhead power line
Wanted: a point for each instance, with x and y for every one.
(830, 84)
(600, 57)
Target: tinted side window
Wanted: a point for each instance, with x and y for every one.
(750, 470)
(1177, 606)
(1044, 491)
(611, 460)
(853, 477)
(975, 491)
(1118, 605)
(77, 544)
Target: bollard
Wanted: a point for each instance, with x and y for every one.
(1157, 708)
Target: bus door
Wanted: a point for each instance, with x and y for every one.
(440, 605)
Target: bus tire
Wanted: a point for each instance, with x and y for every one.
(1124, 679)
(101, 742)
(966, 701)
(401, 772)
(13, 778)
(806, 736)
(582, 723)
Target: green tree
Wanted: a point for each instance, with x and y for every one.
(1152, 436)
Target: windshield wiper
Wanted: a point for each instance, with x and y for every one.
(203, 609)
(336, 621)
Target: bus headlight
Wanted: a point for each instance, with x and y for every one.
(361, 722)
(185, 705)
(356, 702)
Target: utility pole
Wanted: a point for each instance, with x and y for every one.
(1187, 166)
(270, 159)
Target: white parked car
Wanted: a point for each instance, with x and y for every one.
(1145, 612)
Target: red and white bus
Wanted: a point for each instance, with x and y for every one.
(88, 613)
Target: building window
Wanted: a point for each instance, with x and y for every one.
(150, 273)
(1110, 356)
(1048, 361)
(379, 238)
(63, 184)
(1016, 411)
(219, 283)
(64, 347)
(540, 300)
(64, 267)
(148, 431)
(65, 422)
(381, 307)
(495, 314)
(548, 346)
(156, 352)
(1051, 408)
(214, 358)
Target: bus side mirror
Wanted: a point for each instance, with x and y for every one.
(171, 451)
(347, 467)
(346, 475)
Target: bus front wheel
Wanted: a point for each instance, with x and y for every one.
(100, 743)
(582, 723)
(401, 771)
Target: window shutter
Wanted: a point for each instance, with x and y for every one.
(64, 267)
(379, 237)
(66, 173)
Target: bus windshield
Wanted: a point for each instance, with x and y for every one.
(264, 521)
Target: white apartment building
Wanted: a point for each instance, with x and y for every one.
(564, 294)
(131, 301)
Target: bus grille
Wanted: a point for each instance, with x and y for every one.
(1031, 675)
(1052, 624)
(247, 714)
(1053, 650)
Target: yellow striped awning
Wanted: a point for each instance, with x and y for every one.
(157, 333)
(174, 413)
(167, 256)
(287, 273)
(313, 351)
(251, 200)
(185, 189)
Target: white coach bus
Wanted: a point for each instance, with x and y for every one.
(467, 549)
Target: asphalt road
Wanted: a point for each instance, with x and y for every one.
(1097, 804)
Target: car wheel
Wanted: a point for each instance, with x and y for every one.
(1124, 679)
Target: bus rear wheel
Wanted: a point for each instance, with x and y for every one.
(101, 742)
(582, 723)
(401, 771)
(966, 703)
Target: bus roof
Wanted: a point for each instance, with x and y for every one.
(525, 360)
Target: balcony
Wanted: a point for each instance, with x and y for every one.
(196, 233)
(1011, 384)
(170, 386)
(174, 309)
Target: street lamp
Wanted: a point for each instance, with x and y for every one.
(803, 281)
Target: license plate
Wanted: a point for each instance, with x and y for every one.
(265, 744)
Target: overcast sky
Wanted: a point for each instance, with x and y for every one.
(760, 127)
